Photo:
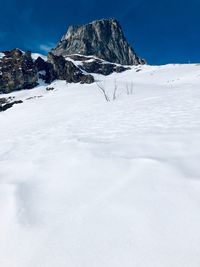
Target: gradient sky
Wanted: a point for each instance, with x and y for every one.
(161, 31)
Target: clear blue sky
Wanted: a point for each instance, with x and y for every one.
(161, 31)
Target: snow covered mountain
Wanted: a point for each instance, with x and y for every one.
(100, 47)
(90, 182)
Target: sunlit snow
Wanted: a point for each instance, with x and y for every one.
(90, 183)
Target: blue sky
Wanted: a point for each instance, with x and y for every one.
(161, 31)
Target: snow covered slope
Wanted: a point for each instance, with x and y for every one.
(90, 183)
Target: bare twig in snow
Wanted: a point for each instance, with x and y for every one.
(115, 90)
(102, 89)
(129, 88)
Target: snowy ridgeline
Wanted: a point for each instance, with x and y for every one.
(87, 182)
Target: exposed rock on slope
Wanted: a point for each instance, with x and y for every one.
(45, 70)
(6, 103)
(102, 38)
(96, 65)
(98, 47)
(66, 70)
(17, 71)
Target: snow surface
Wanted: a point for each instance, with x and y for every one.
(36, 55)
(85, 182)
(33, 55)
(1, 55)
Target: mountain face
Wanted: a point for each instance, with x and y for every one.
(98, 47)
(101, 38)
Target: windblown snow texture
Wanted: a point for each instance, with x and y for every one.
(86, 182)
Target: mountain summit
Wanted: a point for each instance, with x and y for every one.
(102, 38)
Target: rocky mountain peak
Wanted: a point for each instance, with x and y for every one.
(84, 50)
(101, 38)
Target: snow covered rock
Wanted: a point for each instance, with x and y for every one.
(102, 38)
(18, 70)
(6, 103)
(67, 70)
(97, 65)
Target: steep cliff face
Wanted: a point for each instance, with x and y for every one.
(102, 38)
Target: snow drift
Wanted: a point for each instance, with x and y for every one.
(86, 182)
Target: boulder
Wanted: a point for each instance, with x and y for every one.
(17, 71)
(6, 103)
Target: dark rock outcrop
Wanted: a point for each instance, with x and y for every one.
(6, 103)
(17, 71)
(102, 38)
(96, 65)
(45, 70)
(66, 70)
